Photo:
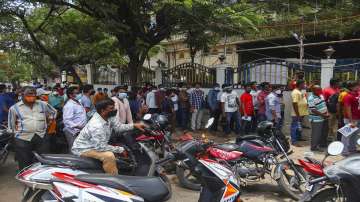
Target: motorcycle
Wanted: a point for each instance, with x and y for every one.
(340, 181)
(259, 156)
(5, 144)
(38, 177)
(219, 183)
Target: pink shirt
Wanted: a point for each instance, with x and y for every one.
(123, 110)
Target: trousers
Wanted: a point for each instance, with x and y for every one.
(107, 158)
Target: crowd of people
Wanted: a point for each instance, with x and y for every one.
(33, 112)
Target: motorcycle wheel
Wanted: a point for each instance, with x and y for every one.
(289, 184)
(328, 195)
(40, 196)
(187, 179)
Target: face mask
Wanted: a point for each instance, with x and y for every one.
(30, 99)
(217, 88)
(112, 113)
(122, 96)
(78, 97)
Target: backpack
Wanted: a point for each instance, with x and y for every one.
(332, 103)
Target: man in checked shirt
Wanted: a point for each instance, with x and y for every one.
(196, 104)
(94, 137)
(28, 120)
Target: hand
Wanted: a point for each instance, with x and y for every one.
(192, 109)
(139, 126)
(326, 115)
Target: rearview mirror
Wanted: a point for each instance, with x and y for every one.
(209, 122)
(335, 148)
(358, 141)
(147, 117)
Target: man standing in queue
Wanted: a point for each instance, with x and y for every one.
(94, 137)
(28, 120)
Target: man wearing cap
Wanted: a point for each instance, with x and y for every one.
(42, 94)
(28, 120)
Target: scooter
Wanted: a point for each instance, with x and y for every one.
(340, 181)
(38, 177)
(219, 183)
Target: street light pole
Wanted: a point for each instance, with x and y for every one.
(301, 51)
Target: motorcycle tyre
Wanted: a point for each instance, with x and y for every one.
(285, 187)
(180, 173)
(325, 195)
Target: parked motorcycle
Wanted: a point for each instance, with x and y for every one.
(5, 144)
(38, 177)
(219, 183)
(340, 181)
(260, 154)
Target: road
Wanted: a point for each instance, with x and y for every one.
(11, 190)
(264, 190)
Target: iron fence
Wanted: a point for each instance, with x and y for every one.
(189, 73)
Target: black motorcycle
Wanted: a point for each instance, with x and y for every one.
(341, 180)
(5, 144)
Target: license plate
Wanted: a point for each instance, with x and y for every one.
(309, 187)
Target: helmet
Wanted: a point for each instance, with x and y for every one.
(264, 128)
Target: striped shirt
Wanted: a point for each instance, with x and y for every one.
(316, 103)
(27, 121)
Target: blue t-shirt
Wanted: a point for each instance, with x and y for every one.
(6, 101)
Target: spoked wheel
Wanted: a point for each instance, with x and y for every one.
(329, 195)
(187, 179)
(290, 183)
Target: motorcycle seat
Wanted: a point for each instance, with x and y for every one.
(69, 160)
(247, 137)
(152, 189)
(227, 147)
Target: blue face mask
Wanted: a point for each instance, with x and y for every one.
(78, 96)
(122, 95)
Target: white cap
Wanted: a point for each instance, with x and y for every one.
(41, 91)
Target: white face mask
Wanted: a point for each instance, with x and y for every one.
(278, 92)
(122, 96)
(217, 88)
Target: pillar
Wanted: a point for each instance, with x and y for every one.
(327, 71)
(90, 68)
(158, 76)
(220, 73)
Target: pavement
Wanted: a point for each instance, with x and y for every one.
(264, 190)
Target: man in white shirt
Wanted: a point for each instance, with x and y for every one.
(230, 108)
(74, 116)
(151, 101)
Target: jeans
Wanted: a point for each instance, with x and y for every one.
(24, 149)
(236, 118)
(261, 117)
(196, 118)
(295, 129)
(70, 138)
(184, 115)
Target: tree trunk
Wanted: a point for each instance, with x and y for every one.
(73, 73)
(133, 68)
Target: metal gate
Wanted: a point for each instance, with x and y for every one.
(189, 73)
(273, 70)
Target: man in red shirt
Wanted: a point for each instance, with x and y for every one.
(352, 116)
(331, 95)
(247, 108)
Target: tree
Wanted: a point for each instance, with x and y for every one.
(65, 35)
(207, 22)
(138, 25)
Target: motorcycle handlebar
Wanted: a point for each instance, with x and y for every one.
(317, 180)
